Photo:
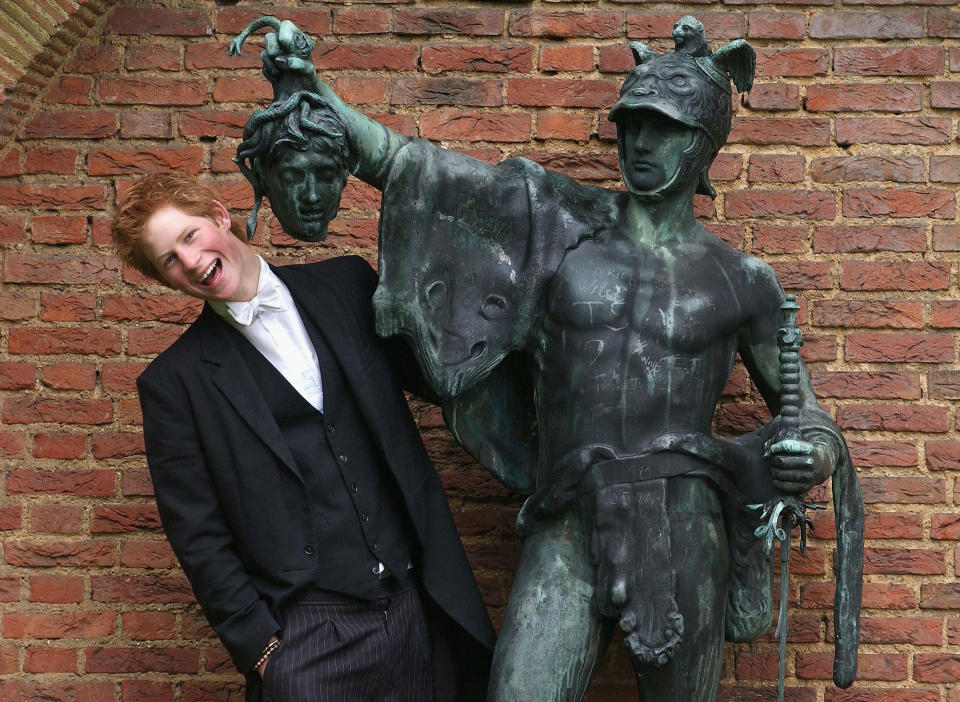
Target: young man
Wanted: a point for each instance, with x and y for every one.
(289, 474)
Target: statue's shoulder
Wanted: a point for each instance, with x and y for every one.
(758, 273)
(753, 279)
(745, 264)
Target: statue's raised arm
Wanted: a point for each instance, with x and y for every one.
(580, 339)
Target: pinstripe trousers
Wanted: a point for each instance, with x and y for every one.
(340, 649)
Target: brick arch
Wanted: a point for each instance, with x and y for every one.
(35, 38)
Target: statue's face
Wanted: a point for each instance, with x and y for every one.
(463, 320)
(653, 149)
(304, 188)
(686, 31)
(470, 315)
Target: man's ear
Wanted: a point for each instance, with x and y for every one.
(221, 215)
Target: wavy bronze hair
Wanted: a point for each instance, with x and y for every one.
(304, 121)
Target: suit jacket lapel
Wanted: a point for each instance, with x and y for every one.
(232, 377)
(324, 314)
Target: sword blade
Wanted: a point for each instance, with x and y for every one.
(782, 625)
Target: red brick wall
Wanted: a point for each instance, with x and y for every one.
(841, 171)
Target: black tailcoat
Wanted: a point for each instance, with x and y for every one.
(233, 503)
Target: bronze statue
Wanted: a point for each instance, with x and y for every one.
(580, 339)
(302, 157)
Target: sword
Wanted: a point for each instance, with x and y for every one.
(784, 513)
(782, 627)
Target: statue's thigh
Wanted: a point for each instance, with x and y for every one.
(701, 560)
(551, 638)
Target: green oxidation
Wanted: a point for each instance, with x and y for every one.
(579, 339)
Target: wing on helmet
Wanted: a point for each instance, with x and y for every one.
(739, 61)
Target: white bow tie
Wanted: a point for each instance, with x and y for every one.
(268, 299)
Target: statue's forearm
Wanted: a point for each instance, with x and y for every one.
(376, 143)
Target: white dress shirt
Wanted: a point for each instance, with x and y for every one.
(271, 322)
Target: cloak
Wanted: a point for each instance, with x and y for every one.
(464, 283)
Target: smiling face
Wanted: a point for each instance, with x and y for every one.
(199, 256)
(304, 188)
(653, 149)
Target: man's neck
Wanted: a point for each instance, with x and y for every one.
(249, 278)
(660, 222)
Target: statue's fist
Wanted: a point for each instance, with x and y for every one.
(796, 465)
(288, 50)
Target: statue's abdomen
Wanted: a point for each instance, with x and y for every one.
(626, 352)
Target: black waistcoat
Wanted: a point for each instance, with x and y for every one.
(357, 513)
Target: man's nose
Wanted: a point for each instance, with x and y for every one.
(189, 257)
(643, 135)
(310, 189)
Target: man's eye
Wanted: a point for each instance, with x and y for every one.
(678, 81)
(168, 260)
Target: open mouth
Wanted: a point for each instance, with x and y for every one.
(314, 215)
(209, 275)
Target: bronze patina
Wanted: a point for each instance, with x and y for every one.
(580, 338)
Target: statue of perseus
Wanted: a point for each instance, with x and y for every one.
(579, 339)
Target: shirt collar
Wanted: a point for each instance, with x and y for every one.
(269, 297)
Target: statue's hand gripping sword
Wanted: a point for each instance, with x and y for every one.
(782, 513)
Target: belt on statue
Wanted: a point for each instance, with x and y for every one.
(635, 469)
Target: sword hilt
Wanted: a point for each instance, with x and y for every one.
(789, 340)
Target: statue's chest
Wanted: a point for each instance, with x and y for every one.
(676, 300)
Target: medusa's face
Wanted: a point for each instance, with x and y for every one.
(304, 188)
